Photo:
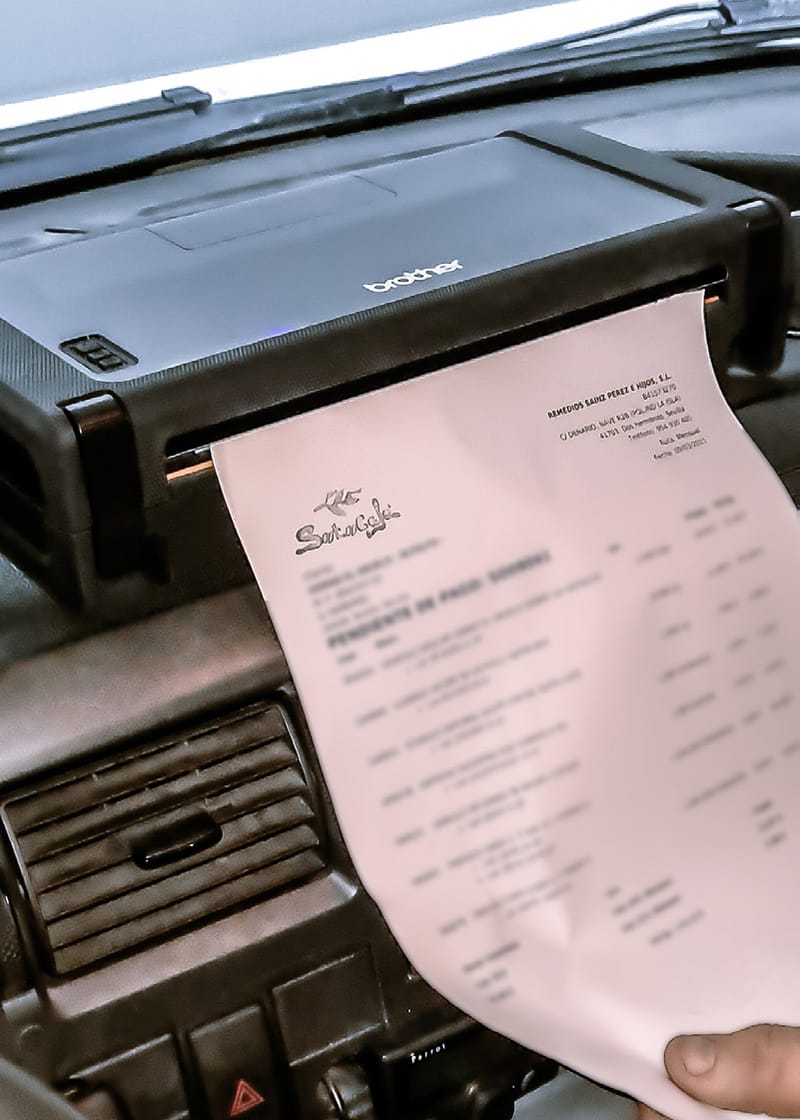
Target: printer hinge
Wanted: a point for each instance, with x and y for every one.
(111, 473)
(768, 286)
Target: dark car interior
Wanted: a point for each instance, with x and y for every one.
(183, 931)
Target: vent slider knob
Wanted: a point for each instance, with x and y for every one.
(176, 841)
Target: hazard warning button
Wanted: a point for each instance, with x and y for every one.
(244, 1099)
(235, 1066)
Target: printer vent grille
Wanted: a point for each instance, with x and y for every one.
(165, 835)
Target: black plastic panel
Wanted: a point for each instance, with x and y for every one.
(112, 853)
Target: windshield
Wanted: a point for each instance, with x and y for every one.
(60, 59)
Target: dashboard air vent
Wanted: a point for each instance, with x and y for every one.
(164, 835)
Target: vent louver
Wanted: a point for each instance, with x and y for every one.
(165, 835)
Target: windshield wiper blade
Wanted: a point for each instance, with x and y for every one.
(53, 158)
(718, 15)
(50, 158)
(378, 101)
(639, 45)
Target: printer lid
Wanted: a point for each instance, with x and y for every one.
(177, 290)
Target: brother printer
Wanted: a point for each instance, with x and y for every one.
(183, 933)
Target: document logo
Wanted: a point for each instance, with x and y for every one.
(406, 278)
(335, 499)
(337, 502)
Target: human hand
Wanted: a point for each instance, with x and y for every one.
(753, 1070)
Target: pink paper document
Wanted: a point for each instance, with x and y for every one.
(542, 611)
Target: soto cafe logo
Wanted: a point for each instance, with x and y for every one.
(338, 503)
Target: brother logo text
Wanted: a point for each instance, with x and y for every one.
(413, 277)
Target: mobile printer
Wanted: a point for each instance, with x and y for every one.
(168, 844)
(124, 354)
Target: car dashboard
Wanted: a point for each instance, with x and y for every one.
(162, 985)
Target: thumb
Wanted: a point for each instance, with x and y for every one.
(754, 1070)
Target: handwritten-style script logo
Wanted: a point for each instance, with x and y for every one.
(337, 502)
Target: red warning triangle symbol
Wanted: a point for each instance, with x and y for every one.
(245, 1098)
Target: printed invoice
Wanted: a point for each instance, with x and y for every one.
(541, 609)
